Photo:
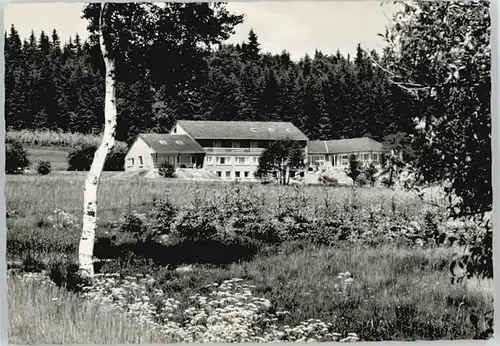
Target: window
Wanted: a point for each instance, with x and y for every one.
(193, 159)
(219, 173)
(222, 160)
(228, 174)
(217, 144)
(175, 130)
(254, 144)
(131, 162)
(140, 161)
(209, 160)
(241, 160)
(236, 144)
(366, 157)
(344, 159)
(227, 143)
(375, 157)
(255, 160)
(316, 158)
(237, 174)
(246, 174)
(245, 144)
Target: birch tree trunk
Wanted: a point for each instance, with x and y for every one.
(86, 248)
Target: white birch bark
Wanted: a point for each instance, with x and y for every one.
(86, 248)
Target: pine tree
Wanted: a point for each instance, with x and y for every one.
(251, 49)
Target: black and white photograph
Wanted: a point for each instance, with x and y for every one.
(248, 172)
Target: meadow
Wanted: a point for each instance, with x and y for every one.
(213, 261)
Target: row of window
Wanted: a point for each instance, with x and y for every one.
(131, 162)
(344, 159)
(228, 160)
(233, 144)
(237, 174)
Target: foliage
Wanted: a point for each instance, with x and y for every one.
(280, 159)
(38, 138)
(166, 170)
(15, 157)
(392, 168)
(328, 180)
(44, 167)
(319, 94)
(440, 52)
(80, 158)
(403, 144)
(354, 169)
(164, 212)
(370, 173)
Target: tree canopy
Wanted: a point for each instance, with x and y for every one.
(439, 52)
(280, 159)
(164, 77)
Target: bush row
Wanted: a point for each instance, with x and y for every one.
(236, 225)
(56, 139)
(79, 158)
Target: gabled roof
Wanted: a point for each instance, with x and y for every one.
(249, 130)
(337, 146)
(163, 143)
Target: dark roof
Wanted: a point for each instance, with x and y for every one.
(256, 130)
(337, 146)
(163, 143)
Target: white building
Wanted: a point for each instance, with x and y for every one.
(322, 154)
(230, 149)
(151, 150)
(233, 148)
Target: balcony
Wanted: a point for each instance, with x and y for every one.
(218, 150)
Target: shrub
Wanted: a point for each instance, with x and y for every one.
(326, 179)
(116, 159)
(265, 230)
(371, 173)
(16, 158)
(163, 214)
(196, 224)
(354, 169)
(64, 273)
(80, 158)
(167, 170)
(362, 179)
(44, 167)
(131, 222)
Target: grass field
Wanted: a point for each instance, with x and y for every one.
(58, 158)
(295, 290)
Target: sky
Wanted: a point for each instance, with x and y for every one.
(299, 27)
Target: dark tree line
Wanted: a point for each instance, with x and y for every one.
(54, 86)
